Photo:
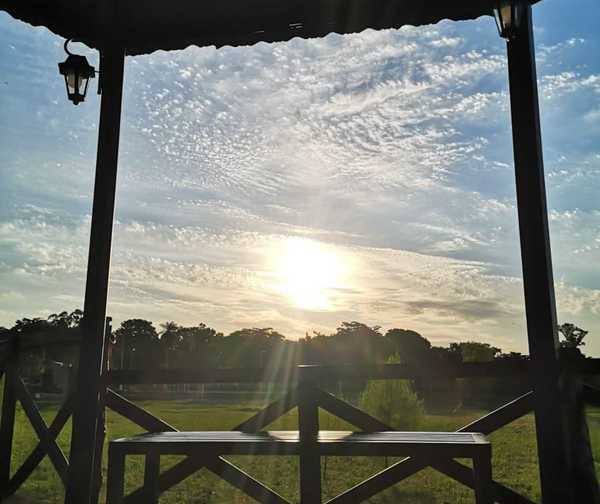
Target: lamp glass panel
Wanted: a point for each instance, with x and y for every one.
(506, 16)
(82, 85)
(71, 80)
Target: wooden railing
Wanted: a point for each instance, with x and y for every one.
(494, 369)
(304, 392)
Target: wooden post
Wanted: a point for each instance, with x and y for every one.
(115, 487)
(87, 410)
(101, 426)
(537, 266)
(7, 426)
(308, 426)
(585, 482)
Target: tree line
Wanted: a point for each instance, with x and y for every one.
(139, 344)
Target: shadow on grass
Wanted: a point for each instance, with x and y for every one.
(394, 496)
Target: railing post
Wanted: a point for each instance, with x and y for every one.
(308, 426)
(101, 427)
(7, 426)
(538, 283)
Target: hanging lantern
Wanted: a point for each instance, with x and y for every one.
(508, 14)
(77, 73)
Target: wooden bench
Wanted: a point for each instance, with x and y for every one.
(432, 446)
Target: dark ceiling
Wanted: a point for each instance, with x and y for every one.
(145, 26)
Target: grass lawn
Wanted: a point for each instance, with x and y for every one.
(514, 458)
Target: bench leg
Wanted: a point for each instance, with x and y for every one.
(151, 475)
(482, 475)
(116, 473)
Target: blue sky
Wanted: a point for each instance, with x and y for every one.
(297, 185)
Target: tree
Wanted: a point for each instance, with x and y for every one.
(392, 401)
(170, 339)
(250, 347)
(139, 340)
(66, 320)
(573, 335)
(474, 351)
(409, 345)
(357, 343)
(198, 346)
(26, 325)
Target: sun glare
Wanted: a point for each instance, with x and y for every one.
(307, 273)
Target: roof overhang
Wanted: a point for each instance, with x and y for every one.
(145, 26)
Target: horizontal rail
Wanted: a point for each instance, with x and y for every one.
(591, 395)
(28, 341)
(323, 374)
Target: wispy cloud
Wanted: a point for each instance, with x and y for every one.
(392, 149)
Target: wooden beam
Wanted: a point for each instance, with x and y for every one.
(498, 368)
(308, 427)
(137, 415)
(536, 258)
(7, 426)
(502, 416)
(85, 415)
(482, 477)
(39, 452)
(116, 476)
(101, 423)
(243, 481)
(349, 413)
(269, 414)
(151, 474)
(41, 429)
(464, 475)
(591, 395)
(8, 345)
(585, 482)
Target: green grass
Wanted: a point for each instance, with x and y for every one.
(513, 448)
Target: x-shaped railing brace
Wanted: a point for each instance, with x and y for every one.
(218, 465)
(46, 436)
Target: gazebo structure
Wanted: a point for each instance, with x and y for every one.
(119, 28)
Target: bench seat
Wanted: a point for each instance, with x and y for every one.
(328, 443)
(427, 446)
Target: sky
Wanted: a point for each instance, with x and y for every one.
(297, 185)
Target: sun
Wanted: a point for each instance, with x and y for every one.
(307, 272)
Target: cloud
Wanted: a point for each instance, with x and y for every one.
(391, 148)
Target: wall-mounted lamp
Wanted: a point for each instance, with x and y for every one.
(508, 14)
(77, 73)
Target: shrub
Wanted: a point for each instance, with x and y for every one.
(393, 402)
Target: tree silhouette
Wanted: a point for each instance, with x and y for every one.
(139, 340)
(573, 335)
(410, 346)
